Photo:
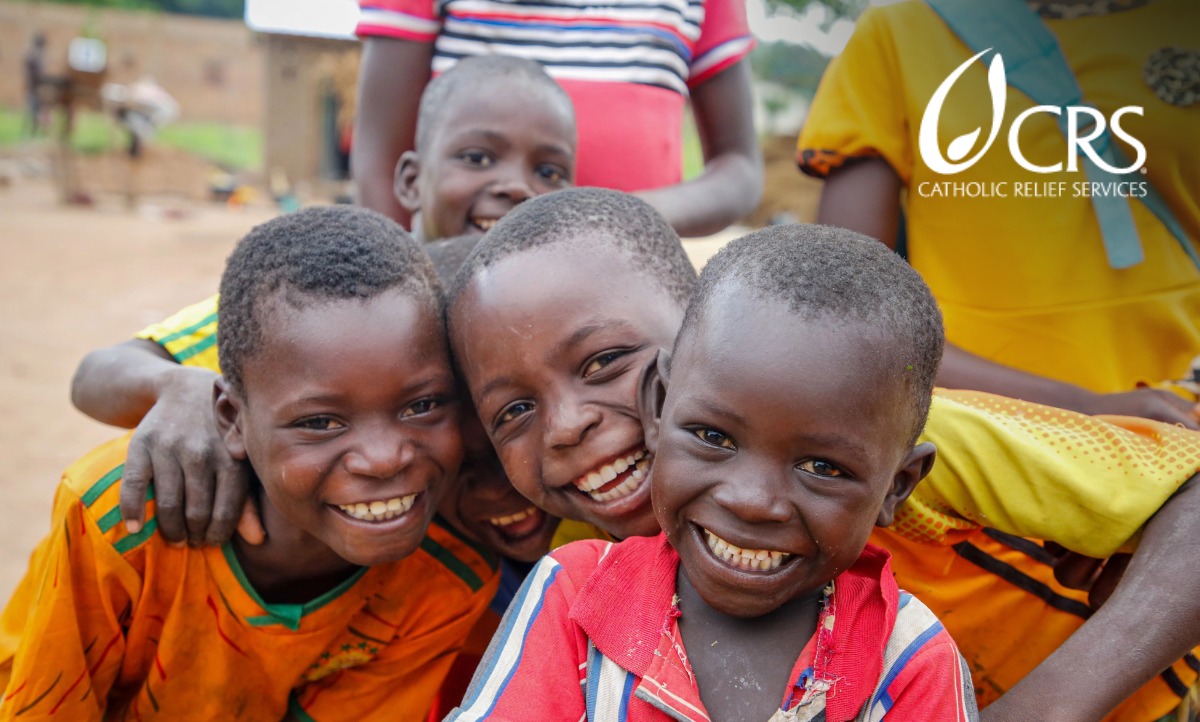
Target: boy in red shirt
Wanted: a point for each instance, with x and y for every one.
(784, 427)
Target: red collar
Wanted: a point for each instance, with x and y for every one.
(625, 606)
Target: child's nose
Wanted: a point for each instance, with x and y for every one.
(379, 454)
(568, 422)
(755, 495)
(513, 185)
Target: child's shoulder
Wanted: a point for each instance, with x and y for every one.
(450, 561)
(90, 491)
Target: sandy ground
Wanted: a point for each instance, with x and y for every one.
(75, 279)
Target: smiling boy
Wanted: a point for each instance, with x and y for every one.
(783, 429)
(353, 606)
(493, 132)
(564, 303)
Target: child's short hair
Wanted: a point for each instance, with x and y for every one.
(325, 252)
(588, 218)
(832, 274)
(448, 254)
(473, 71)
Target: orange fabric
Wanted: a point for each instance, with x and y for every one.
(1040, 473)
(124, 627)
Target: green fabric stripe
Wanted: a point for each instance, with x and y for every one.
(110, 519)
(102, 485)
(489, 555)
(133, 540)
(297, 711)
(194, 349)
(210, 318)
(288, 615)
(453, 563)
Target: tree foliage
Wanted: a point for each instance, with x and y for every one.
(208, 8)
(834, 9)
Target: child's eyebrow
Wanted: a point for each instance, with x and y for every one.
(570, 342)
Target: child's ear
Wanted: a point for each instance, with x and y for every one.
(407, 169)
(227, 412)
(652, 390)
(914, 468)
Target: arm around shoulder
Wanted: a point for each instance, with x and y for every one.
(1150, 621)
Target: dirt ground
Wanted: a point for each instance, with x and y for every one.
(78, 278)
(75, 279)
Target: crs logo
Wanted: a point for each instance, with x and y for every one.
(1083, 125)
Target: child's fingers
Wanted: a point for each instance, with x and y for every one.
(134, 481)
(168, 496)
(250, 525)
(198, 482)
(1076, 571)
(229, 497)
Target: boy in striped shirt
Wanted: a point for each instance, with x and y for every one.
(562, 306)
(354, 605)
(784, 428)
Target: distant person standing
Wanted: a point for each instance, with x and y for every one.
(34, 64)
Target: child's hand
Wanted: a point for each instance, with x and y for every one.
(1097, 577)
(199, 489)
(1147, 403)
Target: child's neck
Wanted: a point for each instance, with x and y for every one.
(743, 666)
(291, 566)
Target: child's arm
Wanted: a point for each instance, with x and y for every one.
(535, 665)
(1150, 621)
(731, 184)
(393, 73)
(162, 383)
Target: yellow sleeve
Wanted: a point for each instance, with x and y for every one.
(190, 335)
(859, 106)
(1087, 483)
(570, 530)
(70, 608)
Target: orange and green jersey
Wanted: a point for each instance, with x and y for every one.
(117, 626)
(1009, 473)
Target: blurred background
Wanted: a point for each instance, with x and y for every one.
(140, 138)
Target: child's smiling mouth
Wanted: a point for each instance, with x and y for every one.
(751, 560)
(519, 525)
(617, 478)
(380, 509)
(482, 223)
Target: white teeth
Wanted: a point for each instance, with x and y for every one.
(750, 559)
(599, 477)
(379, 510)
(513, 518)
(484, 223)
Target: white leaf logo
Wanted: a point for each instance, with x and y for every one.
(927, 136)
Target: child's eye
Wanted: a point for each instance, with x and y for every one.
(820, 468)
(514, 411)
(712, 437)
(422, 407)
(601, 361)
(552, 174)
(318, 423)
(476, 158)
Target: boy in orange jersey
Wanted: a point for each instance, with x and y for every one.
(493, 132)
(353, 606)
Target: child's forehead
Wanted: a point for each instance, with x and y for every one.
(556, 278)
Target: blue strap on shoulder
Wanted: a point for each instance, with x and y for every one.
(1035, 65)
